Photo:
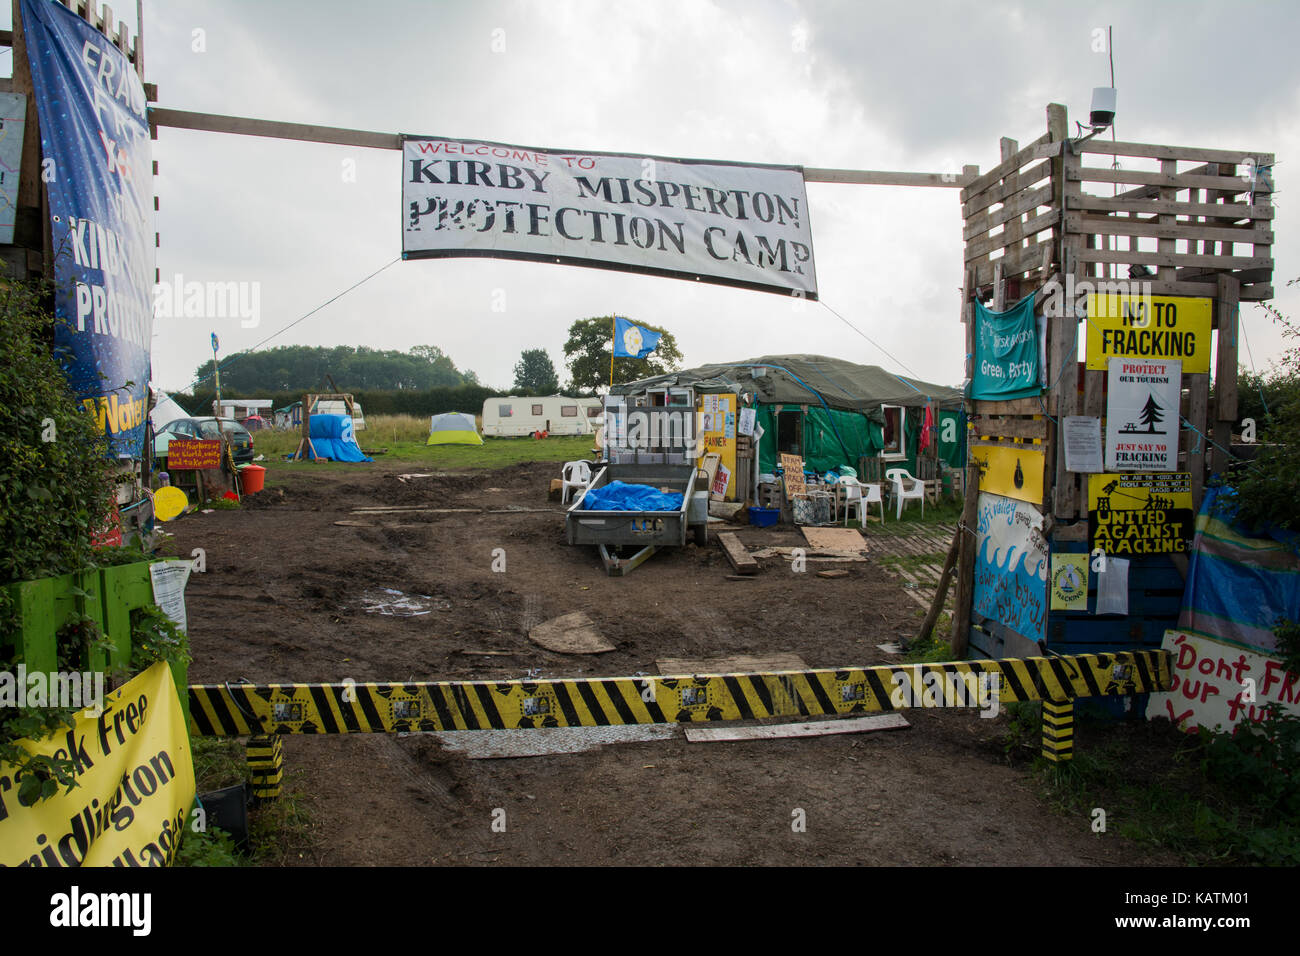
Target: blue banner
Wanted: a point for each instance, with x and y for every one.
(96, 166)
(1006, 352)
(632, 341)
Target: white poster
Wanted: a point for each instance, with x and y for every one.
(718, 222)
(1142, 414)
(746, 426)
(1218, 686)
(169, 579)
(1082, 444)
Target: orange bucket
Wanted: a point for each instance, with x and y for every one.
(251, 478)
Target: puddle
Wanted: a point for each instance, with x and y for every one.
(393, 603)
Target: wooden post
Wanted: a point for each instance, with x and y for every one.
(1225, 371)
(966, 565)
(941, 592)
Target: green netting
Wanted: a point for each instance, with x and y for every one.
(823, 448)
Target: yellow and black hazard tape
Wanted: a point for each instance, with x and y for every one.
(345, 708)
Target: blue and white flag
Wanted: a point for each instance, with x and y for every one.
(632, 341)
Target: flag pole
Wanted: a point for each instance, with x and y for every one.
(613, 338)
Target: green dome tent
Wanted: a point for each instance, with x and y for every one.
(453, 428)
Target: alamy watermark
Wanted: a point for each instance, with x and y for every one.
(176, 298)
(75, 689)
(933, 688)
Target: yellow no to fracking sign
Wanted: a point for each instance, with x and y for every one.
(1149, 326)
(135, 787)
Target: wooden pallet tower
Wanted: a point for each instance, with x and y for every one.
(1052, 216)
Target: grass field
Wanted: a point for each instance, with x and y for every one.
(404, 437)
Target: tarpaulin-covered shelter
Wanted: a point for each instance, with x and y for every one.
(332, 438)
(453, 428)
(828, 410)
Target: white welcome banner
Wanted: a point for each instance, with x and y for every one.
(713, 221)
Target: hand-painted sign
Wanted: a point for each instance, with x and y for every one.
(1149, 327)
(1015, 472)
(1142, 414)
(186, 454)
(728, 223)
(1219, 686)
(1011, 565)
(135, 785)
(1132, 514)
(1006, 352)
(792, 473)
(95, 141)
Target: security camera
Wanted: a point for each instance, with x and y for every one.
(1103, 107)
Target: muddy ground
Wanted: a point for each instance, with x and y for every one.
(284, 596)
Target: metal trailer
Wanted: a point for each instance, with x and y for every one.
(644, 530)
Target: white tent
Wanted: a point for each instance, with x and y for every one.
(165, 410)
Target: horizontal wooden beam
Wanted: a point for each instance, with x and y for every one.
(1040, 148)
(244, 126)
(367, 139)
(1095, 174)
(1113, 226)
(878, 177)
(1189, 154)
(1153, 207)
(1133, 257)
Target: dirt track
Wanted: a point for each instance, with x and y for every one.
(283, 600)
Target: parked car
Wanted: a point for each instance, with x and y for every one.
(241, 440)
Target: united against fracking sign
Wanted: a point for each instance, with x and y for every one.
(726, 223)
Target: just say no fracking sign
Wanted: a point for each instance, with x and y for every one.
(719, 222)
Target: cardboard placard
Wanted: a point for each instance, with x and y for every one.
(193, 454)
(792, 474)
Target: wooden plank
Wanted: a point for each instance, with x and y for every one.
(880, 177)
(1028, 201)
(1040, 148)
(817, 728)
(245, 126)
(1011, 427)
(1156, 206)
(1097, 174)
(1191, 154)
(1170, 260)
(1015, 183)
(1016, 232)
(732, 664)
(961, 614)
(1225, 372)
(841, 573)
(1198, 384)
(1014, 406)
(737, 554)
(1112, 226)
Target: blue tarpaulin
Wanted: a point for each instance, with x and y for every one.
(1239, 583)
(331, 438)
(620, 496)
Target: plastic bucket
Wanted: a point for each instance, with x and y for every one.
(763, 517)
(251, 478)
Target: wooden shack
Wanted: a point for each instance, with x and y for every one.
(1082, 223)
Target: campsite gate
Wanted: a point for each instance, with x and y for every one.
(1030, 228)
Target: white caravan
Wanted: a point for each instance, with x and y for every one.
(514, 415)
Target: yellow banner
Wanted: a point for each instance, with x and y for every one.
(717, 428)
(1069, 584)
(1136, 514)
(1011, 472)
(1149, 326)
(135, 785)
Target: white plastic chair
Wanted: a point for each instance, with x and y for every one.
(906, 488)
(848, 495)
(575, 477)
(873, 496)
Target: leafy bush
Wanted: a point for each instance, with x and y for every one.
(55, 486)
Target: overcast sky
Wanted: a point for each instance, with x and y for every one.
(898, 86)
